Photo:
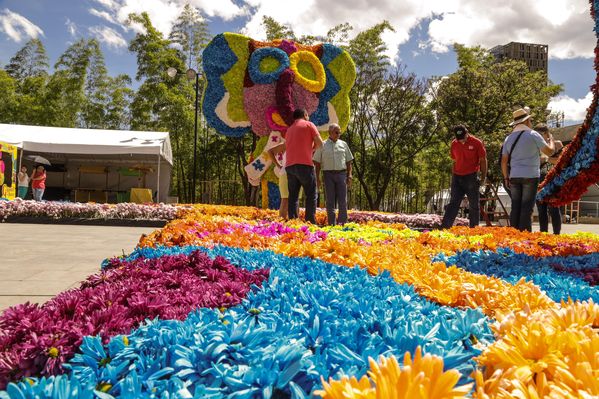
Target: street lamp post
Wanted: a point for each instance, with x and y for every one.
(191, 74)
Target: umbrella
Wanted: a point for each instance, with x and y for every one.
(38, 159)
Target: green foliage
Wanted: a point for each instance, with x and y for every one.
(482, 93)
(276, 30)
(190, 31)
(29, 61)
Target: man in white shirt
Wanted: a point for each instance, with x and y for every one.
(334, 158)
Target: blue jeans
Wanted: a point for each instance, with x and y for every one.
(524, 191)
(463, 185)
(335, 189)
(38, 193)
(546, 211)
(302, 176)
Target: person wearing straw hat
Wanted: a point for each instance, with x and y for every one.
(520, 166)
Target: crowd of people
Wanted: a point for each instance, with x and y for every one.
(526, 157)
(303, 161)
(37, 181)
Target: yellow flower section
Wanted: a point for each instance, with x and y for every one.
(551, 354)
(420, 378)
(319, 81)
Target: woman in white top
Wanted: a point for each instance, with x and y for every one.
(23, 182)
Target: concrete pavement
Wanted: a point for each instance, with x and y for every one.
(38, 261)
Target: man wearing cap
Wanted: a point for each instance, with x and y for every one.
(334, 158)
(470, 157)
(520, 166)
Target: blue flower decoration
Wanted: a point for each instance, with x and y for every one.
(260, 54)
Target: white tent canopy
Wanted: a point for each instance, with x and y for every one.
(86, 141)
(89, 146)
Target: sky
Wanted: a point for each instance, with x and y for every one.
(424, 30)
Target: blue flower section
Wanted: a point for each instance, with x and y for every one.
(256, 58)
(332, 87)
(310, 319)
(511, 267)
(218, 60)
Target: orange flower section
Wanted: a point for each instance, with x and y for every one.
(551, 353)
(420, 378)
(406, 259)
(533, 244)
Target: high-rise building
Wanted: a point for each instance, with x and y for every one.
(535, 55)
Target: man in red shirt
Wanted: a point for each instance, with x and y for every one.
(301, 139)
(470, 157)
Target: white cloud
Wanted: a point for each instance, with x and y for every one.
(102, 14)
(71, 27)
(316, 17)
(108, 36)
(163, 13)
(17, 27)
(575, 110)
(565, 25)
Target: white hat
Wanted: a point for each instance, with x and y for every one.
(520, 115)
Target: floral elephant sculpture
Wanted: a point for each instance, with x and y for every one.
(255, 86)
(578, 166)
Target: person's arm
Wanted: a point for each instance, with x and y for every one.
(348, 164)
(349, 157)
(483, 170)
(547, 147)
(482, 155)
(558, 146)
(317, 141)
(504, 171)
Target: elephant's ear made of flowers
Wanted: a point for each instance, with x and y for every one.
(334, 105)
(578, 166)
(225, 63)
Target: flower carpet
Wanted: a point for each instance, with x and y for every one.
(233, 302)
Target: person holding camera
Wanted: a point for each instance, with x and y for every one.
(547, 211)
(520, 166)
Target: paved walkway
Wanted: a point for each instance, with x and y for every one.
(38, 261)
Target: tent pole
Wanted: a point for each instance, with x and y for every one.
(158, 181)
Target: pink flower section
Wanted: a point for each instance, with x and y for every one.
(256, 100)
(36, 340)
(303, 98)
(288, 46)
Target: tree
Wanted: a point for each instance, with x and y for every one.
(8, 97)
(391, 124)
(162, 103)
(29, 61)
(191, 33)
(483, 92)
(276, 30)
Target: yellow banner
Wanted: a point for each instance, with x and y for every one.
(8, 171)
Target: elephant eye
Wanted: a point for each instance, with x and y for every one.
(266, 65)
(308, 70)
